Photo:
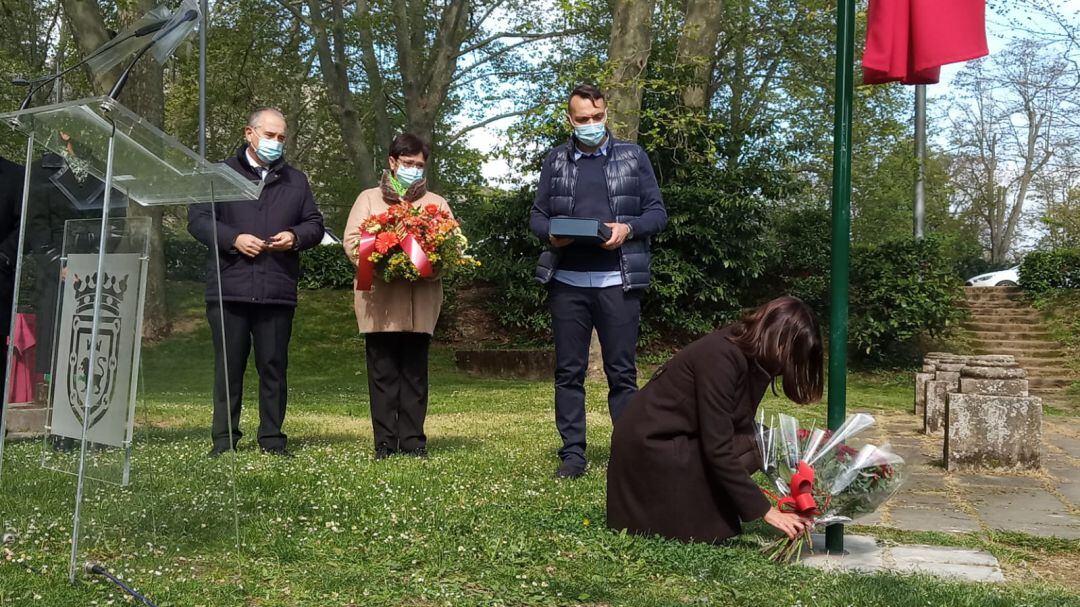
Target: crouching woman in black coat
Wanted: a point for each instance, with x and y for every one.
(683, 451)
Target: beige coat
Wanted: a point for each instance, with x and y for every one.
(400, 305)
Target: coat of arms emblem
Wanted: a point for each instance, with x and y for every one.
(94, 367)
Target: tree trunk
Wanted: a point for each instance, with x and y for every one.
(628, 56)
(697, 50)
(334, 67)
(145, 95)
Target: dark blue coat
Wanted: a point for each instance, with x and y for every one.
(286, 203)
(633, 194)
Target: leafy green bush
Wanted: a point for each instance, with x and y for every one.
(322, 267)
(185, 259)
(705, 261)
(1045, 271)
(800, 248)
(702, 263)
(498, 223)
(901, 290)
(326, 267)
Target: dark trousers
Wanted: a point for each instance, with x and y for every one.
(268, 327)
(575, 311)
(397, 366)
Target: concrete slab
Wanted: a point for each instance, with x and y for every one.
(921, 519)
(863, 554)
(1028, 510)
(1068, 444)
(1004, 482)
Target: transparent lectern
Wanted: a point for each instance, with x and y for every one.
(74, 356)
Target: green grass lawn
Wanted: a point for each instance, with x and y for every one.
(482, 522)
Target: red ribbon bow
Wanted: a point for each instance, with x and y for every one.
(365, 268)
(801, 501)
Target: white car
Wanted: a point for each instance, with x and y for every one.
(1002, 278)
(330, 238)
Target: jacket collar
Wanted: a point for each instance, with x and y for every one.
(274, 168)
(415, 192)
(609, 144)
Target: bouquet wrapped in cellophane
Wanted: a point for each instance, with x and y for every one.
(818, 476)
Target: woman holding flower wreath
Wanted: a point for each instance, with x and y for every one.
(397, 316)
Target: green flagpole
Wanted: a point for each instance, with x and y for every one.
(841, 231)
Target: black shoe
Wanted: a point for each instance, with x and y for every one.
(278, 451)
(420, 452)
(216, 452)
(570, 469)
(382, 453)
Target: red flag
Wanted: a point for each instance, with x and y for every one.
(909, 40)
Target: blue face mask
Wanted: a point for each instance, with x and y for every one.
(591, 134)
(269, 150)
(409, 175)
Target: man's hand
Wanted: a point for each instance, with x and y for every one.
(249, 245)
(560, 242)
(619, 232)
(282, 241)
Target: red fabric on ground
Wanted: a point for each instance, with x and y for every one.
(909, 40)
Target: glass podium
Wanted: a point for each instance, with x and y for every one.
(69, 446)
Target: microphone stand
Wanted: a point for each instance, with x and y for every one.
(39, 83)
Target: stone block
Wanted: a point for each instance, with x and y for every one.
(937, 397)
(920, 392)
(991, 360)
(995, 432)
(517, 364)
(950, 367)
(949, 376)
(25, 420)
(993, 373)
(994, 387)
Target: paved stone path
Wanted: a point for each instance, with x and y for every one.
(1045, 502)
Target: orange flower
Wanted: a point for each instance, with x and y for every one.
(386, 241)
(432, 209)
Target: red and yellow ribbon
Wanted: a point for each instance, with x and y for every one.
(365, 268)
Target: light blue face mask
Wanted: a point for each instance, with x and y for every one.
(591, 134)
(269, 150)
(409, 175)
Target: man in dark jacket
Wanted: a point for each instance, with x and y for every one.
(257, 246)
(11, 190)
(596, 176)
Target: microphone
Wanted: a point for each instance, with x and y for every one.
(190, 15)
(38, 83)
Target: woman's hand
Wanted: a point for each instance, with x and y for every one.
(791, 524)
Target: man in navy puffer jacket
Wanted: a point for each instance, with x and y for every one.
(596, 176)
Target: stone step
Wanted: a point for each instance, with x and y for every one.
(1015, 344)
(1002, 326)
(1029, 363)
(993, 293)
(1006, 320)
(991, 308)
(1020, 352)
(995, 334)
(999, 313)
(996, 303)
(1040, 383)
(1049, 372)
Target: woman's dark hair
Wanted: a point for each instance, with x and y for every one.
(407, 144)
(784, 338)
(586, 91)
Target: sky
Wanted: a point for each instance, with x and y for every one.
(1000, 31)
